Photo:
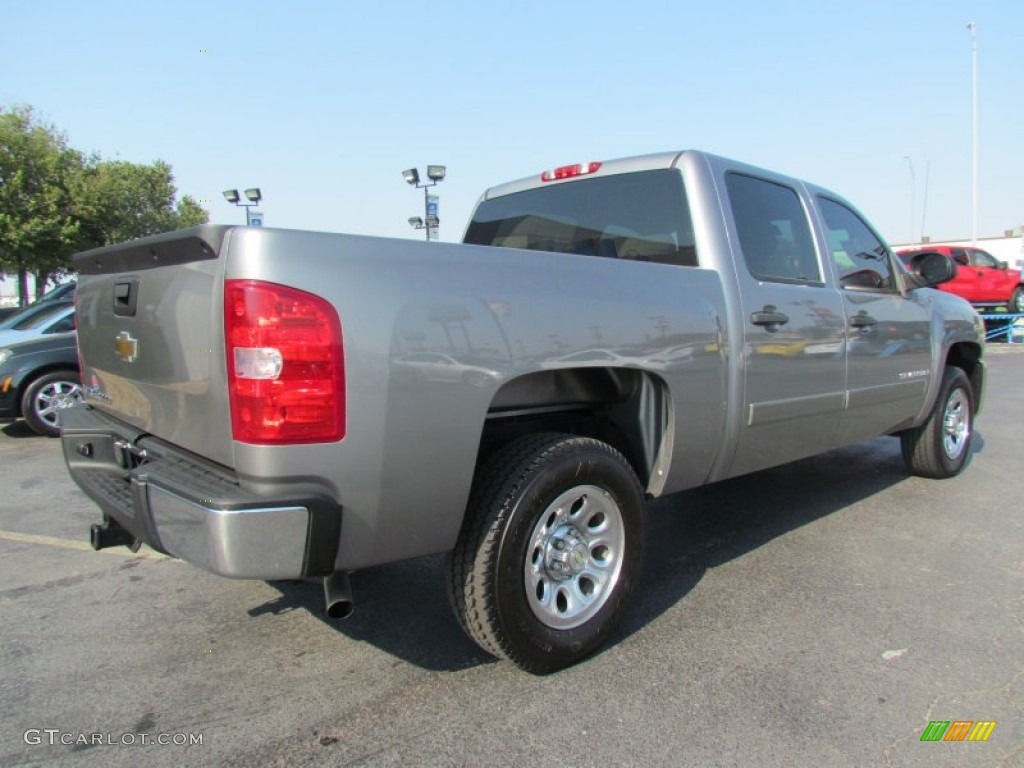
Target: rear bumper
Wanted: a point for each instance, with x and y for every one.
(187, 507)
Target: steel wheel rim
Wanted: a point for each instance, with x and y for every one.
(574, 557)
(956, 424)
(53, 398)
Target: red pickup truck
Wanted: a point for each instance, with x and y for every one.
(980, 277)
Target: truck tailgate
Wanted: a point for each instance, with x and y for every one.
(151, 336)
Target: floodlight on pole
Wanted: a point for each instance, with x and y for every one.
(913, 183)
(430, 220)
(253, 195)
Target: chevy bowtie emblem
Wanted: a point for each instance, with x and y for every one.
(126, 347)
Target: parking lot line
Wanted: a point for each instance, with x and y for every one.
(54, 541)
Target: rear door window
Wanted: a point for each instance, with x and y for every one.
(641, 216)
(773, 230)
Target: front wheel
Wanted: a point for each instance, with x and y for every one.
(46, 396)
(939, 448)
(1016, 304)
(550, 551)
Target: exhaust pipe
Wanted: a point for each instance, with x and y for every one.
(111, 534)
(338, 595)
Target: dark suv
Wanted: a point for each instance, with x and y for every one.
(38, 379)
(62, 292)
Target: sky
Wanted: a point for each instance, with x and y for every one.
(322, 105)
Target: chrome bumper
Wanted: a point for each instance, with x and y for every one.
(260, 543)
(187, 507)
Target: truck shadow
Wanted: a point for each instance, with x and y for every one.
(403, 608)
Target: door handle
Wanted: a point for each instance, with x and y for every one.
(863, 320)
(126, 297)
(769, 317)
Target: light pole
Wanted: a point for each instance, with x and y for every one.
(973, 28)
(913, 183)
(253, 195)
(430, 220)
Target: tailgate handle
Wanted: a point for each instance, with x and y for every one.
(126, 297)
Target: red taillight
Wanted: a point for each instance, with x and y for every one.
(569, 171)
(286, 364)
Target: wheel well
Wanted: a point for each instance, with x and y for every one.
(626, 408)
(968, 358)
(42, 371)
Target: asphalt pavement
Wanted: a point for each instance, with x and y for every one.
(818, 614)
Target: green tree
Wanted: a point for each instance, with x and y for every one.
(117, 201)
(38, 228)
(55, 201)
(190, 214)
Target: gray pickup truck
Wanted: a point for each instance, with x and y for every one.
(276, 404)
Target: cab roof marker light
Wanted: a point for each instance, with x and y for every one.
(570, 171)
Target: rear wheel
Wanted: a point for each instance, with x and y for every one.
(550, 550)
(46, 396)
(939, 448)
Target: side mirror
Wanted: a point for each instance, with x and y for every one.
(932, 268)
(1003, 265)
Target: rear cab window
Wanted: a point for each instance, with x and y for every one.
(639, 216)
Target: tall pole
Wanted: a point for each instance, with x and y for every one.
(426, 211)
(924, 203)
(974, 126)
(913, 183)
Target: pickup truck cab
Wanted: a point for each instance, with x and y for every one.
(279, 404)
(980, 277)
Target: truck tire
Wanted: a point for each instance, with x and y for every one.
(550, 550)
(1016, 303)
(939, 448)
(45, 396)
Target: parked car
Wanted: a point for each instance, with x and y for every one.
(27, 315)
(435, 366)
(38, 378)
(49, 320)
(980, 277)
(62, 292)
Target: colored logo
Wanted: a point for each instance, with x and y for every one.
(958, 730)
(125, 347)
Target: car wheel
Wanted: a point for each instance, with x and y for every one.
(550, 550)
(46, 396)
(939, 448)
(1016, 305)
